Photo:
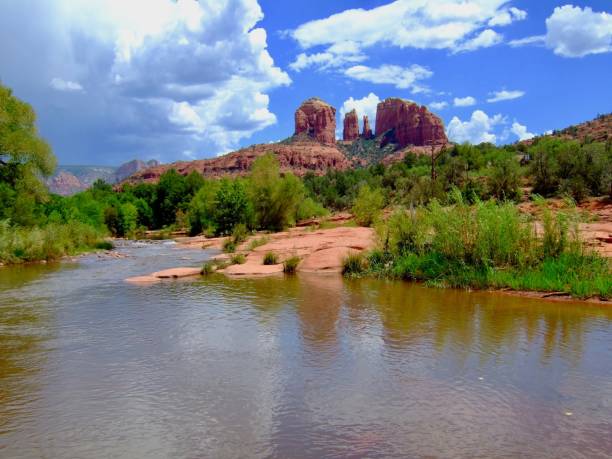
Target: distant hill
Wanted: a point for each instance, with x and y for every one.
(596, 130)
(69, 180)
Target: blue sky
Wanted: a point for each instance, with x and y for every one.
(177, 80)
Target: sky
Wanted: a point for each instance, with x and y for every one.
(115, 80)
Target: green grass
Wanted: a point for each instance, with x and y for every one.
(290, 264)
(104, 245)
(238, 259)
(51, 242)
(486, 245)
(354, 264)
(229, 246)
(270, 258)
(258, 242)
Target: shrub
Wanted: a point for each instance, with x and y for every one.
(104, 245)
(368, 205)
(240, 233)
(353, 264)
(229, 246)
(270, 258)
(290, 264)
(238, 259)
(258, 242)
(209, 267)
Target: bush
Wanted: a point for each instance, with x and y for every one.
(238, 259)
(290, 264)
(229, 246)
(353, 264)
(104, 245)
(209, 267)
(258, 242)
(240, 233)
(368, 205)
(270, 258)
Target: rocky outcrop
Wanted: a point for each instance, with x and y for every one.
(406, 123)
(351, 126)
(297, 156)
(316, 119)
(367, 130)
(129, 168)
(65, 184)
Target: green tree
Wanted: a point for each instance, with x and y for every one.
(232, 206)
(24, 157)
(368, 205)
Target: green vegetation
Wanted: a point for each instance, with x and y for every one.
(354, 264)
(270, 258)
(258, 242)
(485, 245)
(238, 259)
(290, 264)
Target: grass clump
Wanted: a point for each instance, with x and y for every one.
(290, 264)
(229, 246)
(270, 258)
(104, 245)
(209, 267)
(238, 259)
(258, 242)
(354, 264)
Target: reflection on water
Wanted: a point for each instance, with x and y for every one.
(304, 366)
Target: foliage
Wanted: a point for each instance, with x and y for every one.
(238, 259)
(258, 242)
(270, 258)
(290, 264)
(353, 264)
(229, 246)
(368, 205)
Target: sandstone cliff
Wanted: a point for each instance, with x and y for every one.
(351, 126)
(316, 119)
(406, 123)
(367, 130)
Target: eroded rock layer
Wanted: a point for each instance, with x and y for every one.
(406, 123)
(351, 126)
(317, 119)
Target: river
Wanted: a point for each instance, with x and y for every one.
(309, 366)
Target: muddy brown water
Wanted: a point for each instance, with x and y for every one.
(300, 367)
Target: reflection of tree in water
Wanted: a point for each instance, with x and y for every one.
(22, 353)
(461, 322)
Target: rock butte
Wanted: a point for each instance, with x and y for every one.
(406, 123)
(351, 126)
(313, 146)
(316, 119)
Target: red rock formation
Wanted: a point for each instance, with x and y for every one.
(367, 130)
(298, 157)
(65, 183)
(317, 119)
(351, 126)
(406, 123)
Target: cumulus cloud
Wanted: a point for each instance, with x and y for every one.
(438, 105)
(162, 76)
(484, 39)
(404, 23)
(65, 85)
(400, 77)
(521, 131)
(478, 129)
(467, 101)
(507, 16)
(498, 96)
(364, 106)
(338, 55)
(572, 31)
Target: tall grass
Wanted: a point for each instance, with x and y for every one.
(489, 244)
(25, 244)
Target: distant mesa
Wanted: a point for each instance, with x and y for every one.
(400, 124)
(317, 120)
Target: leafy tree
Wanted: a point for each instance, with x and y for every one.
(232, 206)
(24, 157)
(368, 205)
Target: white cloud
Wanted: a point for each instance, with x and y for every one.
(467, 101)
(498, 96)
(162, 76)
(407, 23)
(533, 40)
(507, 16)
(65, 85)
(364, 106)
(338, 55)
(438, 105)
(521, 131)
(400, 77)
(576, 32)
(572, 31)
(476, 130)
(485, 39)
